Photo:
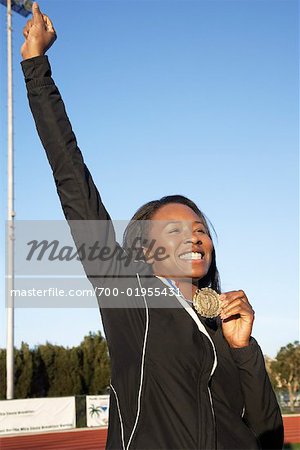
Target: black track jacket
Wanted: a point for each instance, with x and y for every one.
(175, 382)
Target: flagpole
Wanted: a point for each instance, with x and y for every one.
(24, 8)
(10, 216)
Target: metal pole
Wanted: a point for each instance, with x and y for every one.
(10, 217)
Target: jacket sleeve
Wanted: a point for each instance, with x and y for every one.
(79, 197)
(262, 413)
(123, 316)
(90, 223)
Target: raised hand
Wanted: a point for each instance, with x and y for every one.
(39, 34)
(237, 318)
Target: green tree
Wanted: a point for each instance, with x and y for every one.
(95, 364)
(47, 356)
(101, 376)
(2, 374)
(40, 383)
(63, 382)
(75, 361)
(51, 370)
(286, 369)
(23, 371)
(272, 375)
(56, 361)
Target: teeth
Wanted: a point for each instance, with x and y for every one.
(191, 255)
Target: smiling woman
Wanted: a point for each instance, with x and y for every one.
(177, 225)
(178, 380)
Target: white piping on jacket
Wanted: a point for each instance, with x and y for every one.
(194, 316)
(201, 327)
(141, 379)
(189, 309)
(243, 412)
(142, 366)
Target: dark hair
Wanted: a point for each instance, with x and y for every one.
(137, 230)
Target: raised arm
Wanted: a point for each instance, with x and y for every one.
(79, 197)
(89, 221)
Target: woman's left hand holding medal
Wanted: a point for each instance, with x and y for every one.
(237, 318)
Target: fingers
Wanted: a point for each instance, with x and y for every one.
(36, 14)
(27, 28)
(228, 297)
(238, 307)
(48, 23)
(236, 303)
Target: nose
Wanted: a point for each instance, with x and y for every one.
(191, 237)
(193, 240)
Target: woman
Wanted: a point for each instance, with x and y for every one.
(179, 380)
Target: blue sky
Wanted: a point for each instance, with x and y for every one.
(170, 96)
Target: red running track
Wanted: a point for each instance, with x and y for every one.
(291, 429)
(94, 439)
(87, 439)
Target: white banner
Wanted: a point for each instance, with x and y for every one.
(97, 407)
(37, 414)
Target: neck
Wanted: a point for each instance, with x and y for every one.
(187, 287)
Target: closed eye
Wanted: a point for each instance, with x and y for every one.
(175, 230)
(201, 230)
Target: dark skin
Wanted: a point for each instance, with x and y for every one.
(180, 231)
(185, 234)
(39, 34)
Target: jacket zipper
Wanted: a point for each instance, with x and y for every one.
(182, 301)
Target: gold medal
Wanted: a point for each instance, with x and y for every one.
(207, 302)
